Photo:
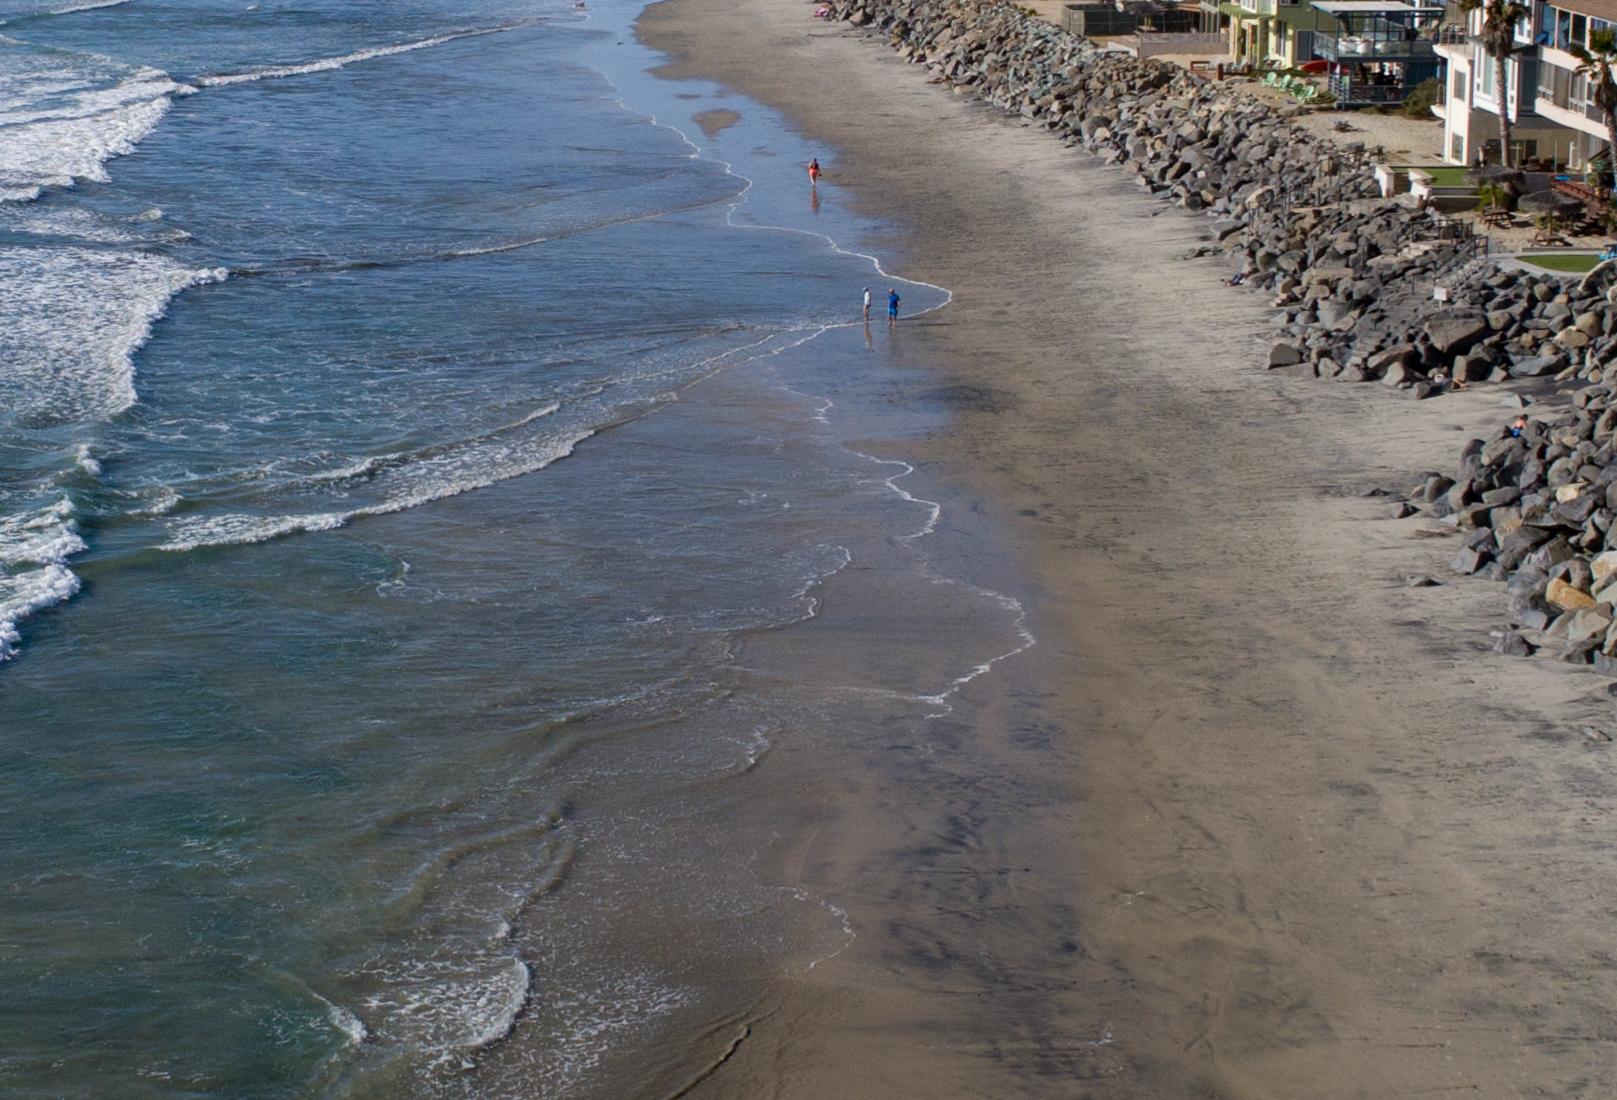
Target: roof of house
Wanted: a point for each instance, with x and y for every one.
(1374, 7)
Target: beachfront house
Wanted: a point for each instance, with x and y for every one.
(1475, 90)
(1562, 96)
(1250, 23)
(1372, 51)
(1376, 51)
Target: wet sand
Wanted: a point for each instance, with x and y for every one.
(1254, 818)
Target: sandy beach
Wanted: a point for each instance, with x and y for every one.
(1308, 837)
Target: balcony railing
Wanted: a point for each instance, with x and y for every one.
(1344, 89)
(1372, 49)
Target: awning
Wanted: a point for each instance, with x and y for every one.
(1372, 7)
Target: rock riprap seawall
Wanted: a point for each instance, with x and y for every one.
(1370, 289)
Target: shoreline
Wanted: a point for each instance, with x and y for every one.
(1299, 845)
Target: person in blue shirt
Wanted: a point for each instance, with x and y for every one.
(892, 304)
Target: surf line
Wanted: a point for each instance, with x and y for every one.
(1025, 637)
(317, 266)
(739, 199)
(84, 5)
(327, 64)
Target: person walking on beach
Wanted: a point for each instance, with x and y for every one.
(892, 305)
(867, 303)
(814, 171)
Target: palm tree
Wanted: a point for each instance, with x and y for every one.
(1595, 62)
(1498, 41)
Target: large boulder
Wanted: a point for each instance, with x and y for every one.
(1453, 335)
(1567, 597)
(1284, 355)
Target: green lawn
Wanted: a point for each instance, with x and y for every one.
(1561, 261)
(1442, 175)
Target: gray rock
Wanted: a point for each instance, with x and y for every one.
(1515, 547)
(1532, 618)
(1579, 653)
(1284, 355)
(1507, 449)
(1512, 644)
(1401, 355)
(1537, 366)
(1575, 571)
(1453, 335)
(1469, 560)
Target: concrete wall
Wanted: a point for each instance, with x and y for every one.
(1096, 20)
(1200, 45)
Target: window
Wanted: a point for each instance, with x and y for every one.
(1457, 148)
(1461, 79)
(1488, 82)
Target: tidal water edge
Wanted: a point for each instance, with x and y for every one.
(404, 428)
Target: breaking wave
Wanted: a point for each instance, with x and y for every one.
(72, 116)
(34, 549)
(326, 64)
(75, 318)
(435, 478)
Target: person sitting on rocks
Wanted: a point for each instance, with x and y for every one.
(1518, 426)
(1440, 378)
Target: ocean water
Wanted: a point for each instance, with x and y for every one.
(407, 415)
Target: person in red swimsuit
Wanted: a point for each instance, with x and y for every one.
(814, 172)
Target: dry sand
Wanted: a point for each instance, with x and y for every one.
(1261, 821)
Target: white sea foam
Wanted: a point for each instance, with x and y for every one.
(46, 536)
(75, 318)
(62, 9)
(590, 1021)
(87, 226)
(34, 549)
(435, 478)
(448, 1010)
(326, 64)
(62, 124)
(25, 593)
(163, 501)
(496, 1012)
(371, 465)
(86, 5)
(52, 545)
(346, 1022)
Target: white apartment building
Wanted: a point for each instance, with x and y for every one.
(1562, 95)
(1475, 91)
